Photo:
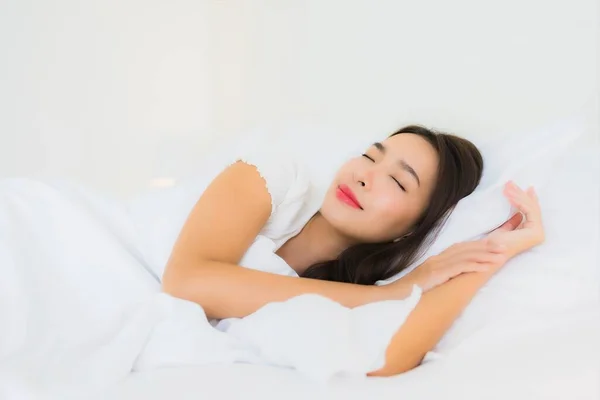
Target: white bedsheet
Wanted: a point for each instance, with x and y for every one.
(80, 309)
(554, 359)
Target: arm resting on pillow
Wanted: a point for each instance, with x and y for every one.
(439, 307)
(427, 323)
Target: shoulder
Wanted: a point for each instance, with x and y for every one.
(286, 179)
(293, 195)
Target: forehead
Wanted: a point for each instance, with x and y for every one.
(416, 151)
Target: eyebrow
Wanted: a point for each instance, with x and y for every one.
(403, 164)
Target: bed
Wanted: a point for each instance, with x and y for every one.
(530, 334)
(82, 310)
(123, 99)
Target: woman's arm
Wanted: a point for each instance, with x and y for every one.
(439, 307)
(221, 227)
(427, 323)
(227, 290)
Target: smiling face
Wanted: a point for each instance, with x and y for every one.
(380, 195)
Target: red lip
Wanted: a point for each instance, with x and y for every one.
(347, 196)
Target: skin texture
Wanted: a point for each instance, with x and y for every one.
(391, 198)
(221, 226)
(440, 306)
(388, 210)
(203, 266)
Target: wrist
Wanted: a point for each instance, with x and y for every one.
(400, 289)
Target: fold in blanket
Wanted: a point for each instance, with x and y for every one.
(81, 310)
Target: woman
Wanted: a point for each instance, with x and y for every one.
(373, 222)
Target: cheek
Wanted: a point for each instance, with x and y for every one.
(388, 204)
(346, 171)
(393, 211)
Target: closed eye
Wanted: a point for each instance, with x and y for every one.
(399, 184)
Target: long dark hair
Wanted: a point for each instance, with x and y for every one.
(459, 172)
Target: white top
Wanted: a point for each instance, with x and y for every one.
(293, 202)
(160, 216)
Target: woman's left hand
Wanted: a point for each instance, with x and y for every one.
(516, 234)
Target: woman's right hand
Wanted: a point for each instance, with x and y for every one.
(476, 256)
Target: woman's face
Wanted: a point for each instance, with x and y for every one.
(378, 197)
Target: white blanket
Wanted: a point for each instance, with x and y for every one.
(80, 309)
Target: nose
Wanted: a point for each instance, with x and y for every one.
(365, 178)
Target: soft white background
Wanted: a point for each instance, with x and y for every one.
(120, 93)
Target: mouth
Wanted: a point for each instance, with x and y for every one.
(345, 195)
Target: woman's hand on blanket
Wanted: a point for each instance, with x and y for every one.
(476, 256)
(524, 230)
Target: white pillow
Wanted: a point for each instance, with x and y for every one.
(527, 158)
(558, 277)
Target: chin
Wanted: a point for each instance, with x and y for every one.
(349, 222)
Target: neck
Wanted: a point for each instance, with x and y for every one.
(323, 240)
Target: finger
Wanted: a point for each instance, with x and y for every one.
(510, 185)
(481, 256)
(512, 190)
(485, 257)
(522, 201)
(521, 204)
(471, 246)
(468, 267)
(494, 247)
(478, 267)
(528, 196)
(532, 194)
(529, 207)
(511, 224)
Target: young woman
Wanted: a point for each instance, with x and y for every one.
(373, 221)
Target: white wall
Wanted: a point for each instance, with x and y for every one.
(117, 93)
(92, 89)
(463, 65)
